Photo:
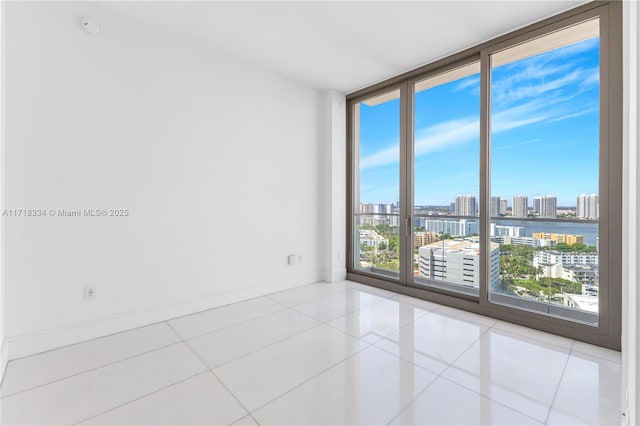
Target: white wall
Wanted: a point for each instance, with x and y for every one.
(216, 160)
(335, 187)
(3, 346)
(631, 216)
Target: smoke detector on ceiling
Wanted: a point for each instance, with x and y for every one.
(91, 25)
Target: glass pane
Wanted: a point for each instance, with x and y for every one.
(545, 103)
(446, 180)
(377, 187)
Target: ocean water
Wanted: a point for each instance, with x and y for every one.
(588, 230)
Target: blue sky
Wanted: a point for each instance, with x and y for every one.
(544, 133)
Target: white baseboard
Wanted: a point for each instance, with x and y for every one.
(332, 276)
(30, 344)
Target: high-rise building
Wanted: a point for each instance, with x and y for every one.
(495, 206)
(465, 205)
(548, 205)
(588, 206)
(537, 205)
(520, 206)
(375, 214)
(503, 206)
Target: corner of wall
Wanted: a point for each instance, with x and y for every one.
(630, 401)
(335, 189)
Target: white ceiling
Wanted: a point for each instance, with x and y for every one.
(335, 45)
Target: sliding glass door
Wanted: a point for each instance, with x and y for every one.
(545, 143)
(446, 186)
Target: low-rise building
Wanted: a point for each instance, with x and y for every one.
(458, 262)
(526, 241)
(582, 302)
(455, 228)
(587, 275)
(560, 238)
(423, 238)
(509, 231)
(370, 238)
(564, 258)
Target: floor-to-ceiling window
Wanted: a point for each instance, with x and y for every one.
(376, 219)
(446, 185)
(545, 142)
(491, 180)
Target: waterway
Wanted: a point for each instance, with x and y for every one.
(588, 230)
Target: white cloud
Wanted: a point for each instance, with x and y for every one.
(510, 92)
(547, 100)
(472, 81)
(459, 131)
(381, 158)
(576, 114)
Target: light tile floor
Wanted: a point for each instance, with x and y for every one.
(337, 354)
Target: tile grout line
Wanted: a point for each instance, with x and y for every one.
(333, 292)
(92, 369)
(538, 342)
(140, 397)
(156, 323)
(388, 334)
(488, 397)
(284, 308)
(167, 322)
(88, 341)
(333, 319)
(224, 385)
(320, 322)
(438, 375)
(266, 296)
(555, 394)
(494, 401)
(368, 345)
(259, 349)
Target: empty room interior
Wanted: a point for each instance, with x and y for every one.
(310, 212)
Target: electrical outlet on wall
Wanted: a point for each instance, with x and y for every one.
(89, 292)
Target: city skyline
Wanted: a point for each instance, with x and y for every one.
(544, 133)
(586, 205)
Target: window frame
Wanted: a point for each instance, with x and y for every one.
(608, 331)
